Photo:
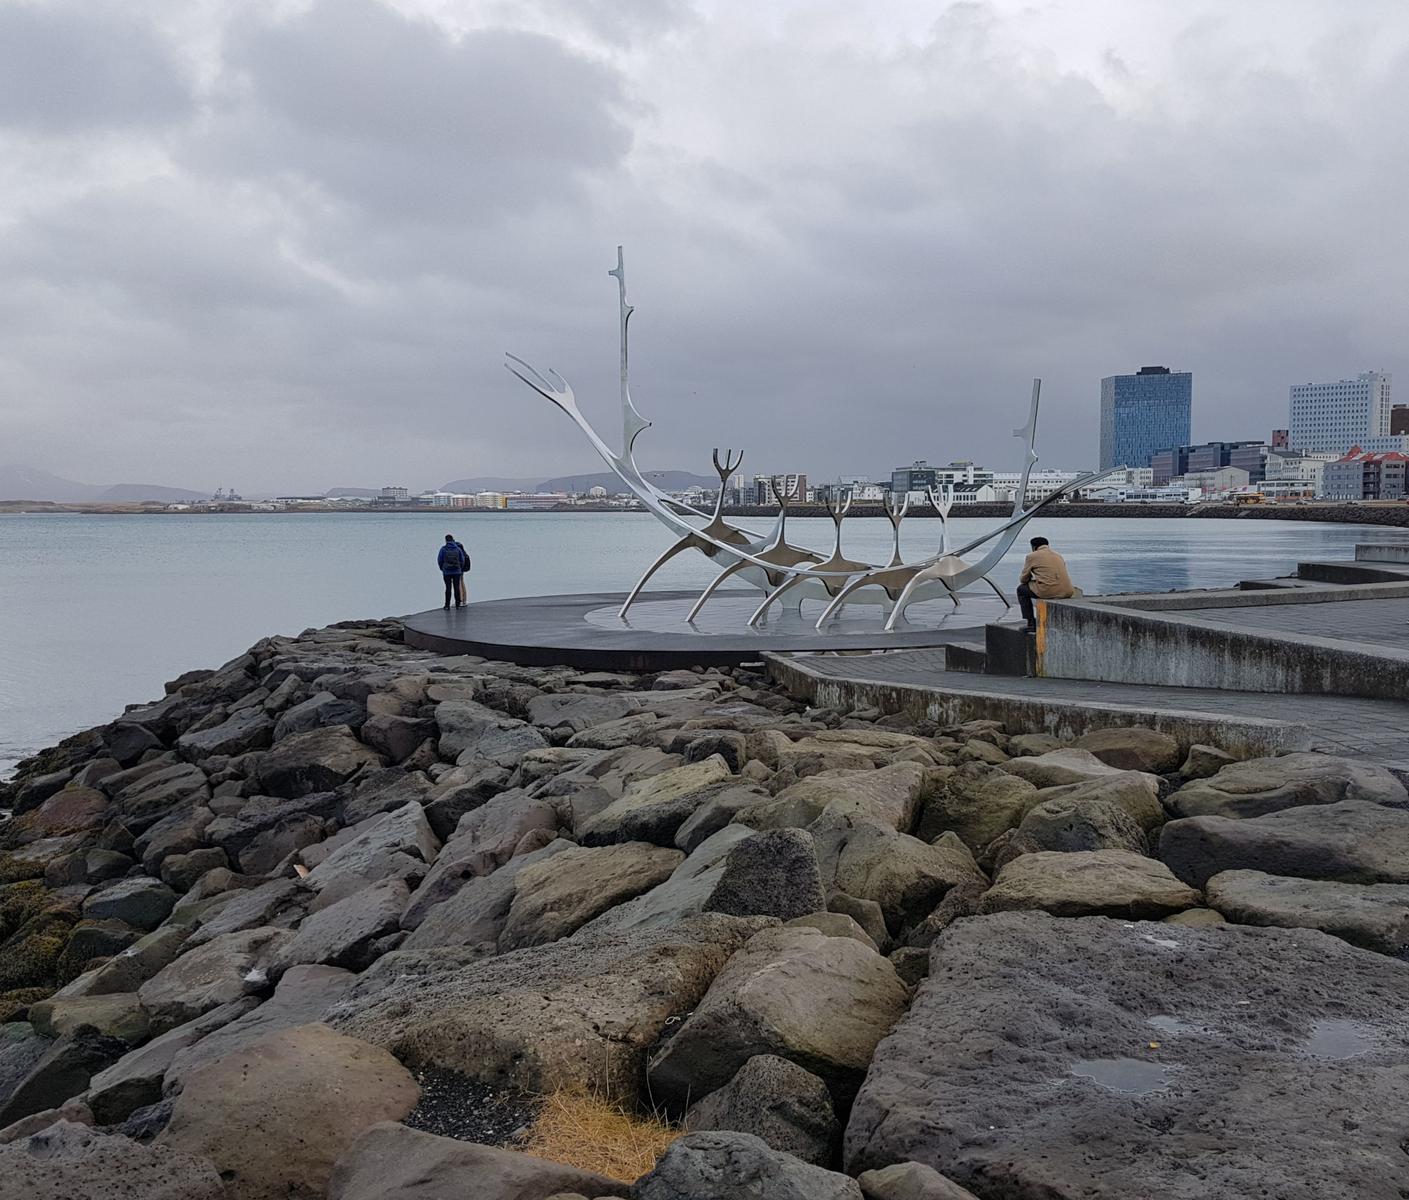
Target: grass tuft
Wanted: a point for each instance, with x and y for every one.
(590, 1133)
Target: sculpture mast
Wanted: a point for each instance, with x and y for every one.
(632, 422)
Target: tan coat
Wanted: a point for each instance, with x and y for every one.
(1045, 572)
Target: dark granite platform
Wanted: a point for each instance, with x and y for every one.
(584, 630)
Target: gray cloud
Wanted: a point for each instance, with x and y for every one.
(849, 245)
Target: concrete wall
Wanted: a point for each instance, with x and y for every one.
(1249, 738)
(1083, 640)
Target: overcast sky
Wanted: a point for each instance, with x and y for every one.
(282, 245)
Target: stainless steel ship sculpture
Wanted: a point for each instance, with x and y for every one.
(787, 574)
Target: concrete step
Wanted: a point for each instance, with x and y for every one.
(1353, 572)
(1009, 650)
(966, 656)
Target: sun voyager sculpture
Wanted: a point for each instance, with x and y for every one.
(786, 574)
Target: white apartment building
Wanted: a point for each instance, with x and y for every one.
(1210, 483)
(1333, 417)
(1040, 484)
(1289, 467)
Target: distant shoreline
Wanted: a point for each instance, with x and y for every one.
(1392, 514)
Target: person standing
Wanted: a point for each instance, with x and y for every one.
(1043, 577)
(453, 561)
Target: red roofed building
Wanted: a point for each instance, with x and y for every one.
(1358, 475)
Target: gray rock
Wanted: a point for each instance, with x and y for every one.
(91, 939)
(179, 832)
(730, 746)
(1057, 767)
(1073, 823)
(835, 924)
(716, 811)
(132, 967)
(1113, 883)
(890, 796)
(260, 814)
(577, 712)
(304, 995)
(866, 913)
(771, 874)
(1260, 1034)
(553, 899)
(396, 738)
(1265, 785)
(653, 809)
(1372, 915)
(263, 853)
(143, 801)
(113, 1014)
(318, 711)
(475, 915)
(143, 1124)
(778, 1101)
(1203, 761)
(581, 1011)
(139, 901)
(472, 732)
(391, 1162)
(738, 1166)
(977, 802)
(249, 729)
(248, 909)
(1353, 841)
(1133, 749)
(821, 1002)
(342, 934)
(220, 972)
(910, 1181)
(627, 732)
(317, 761)
(385, 791)
(20, 1049)
(67, 1161)
(127, 741)
(181, 871)
(445, 810)
(135, 1080)
(386, 841)
(61, 1073)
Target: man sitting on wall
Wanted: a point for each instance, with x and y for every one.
(1044, 577)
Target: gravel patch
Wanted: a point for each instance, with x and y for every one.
(454, 1105)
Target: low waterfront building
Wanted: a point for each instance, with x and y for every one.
(1040, 484)
(1214, 483)
(1297, 467)
(536, 500)
(975, 493)
(1366, 475)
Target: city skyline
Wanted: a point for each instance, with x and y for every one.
(208, 262)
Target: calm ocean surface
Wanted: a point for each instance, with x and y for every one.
(97, 612)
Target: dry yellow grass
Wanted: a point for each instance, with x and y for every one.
(593, 1134)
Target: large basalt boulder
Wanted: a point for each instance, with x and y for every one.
(396, 738)
(318, 711)
(472, 732)
(1058, 767)
(1260, 1034)
(474, 916)
(344, 933)
(70, 810)
(1137, 792)
(138, 901)
(582, 1011)
(653, 809)
(128, 970)
(1133, 749)
(223, 970)
(1372, 915)
(904, 875)
(1074, 823)
(249, 729)
(620, 734)
(135, 1080)
(738, 1166)
(61, 1073)
(317, 761)
(770, 874)
(303, 996)
(258, 816)
(821, 1002)
(1353, 841)
(1114, 883)
(1265, 785)
(553, 899)
(718, 810)
(778, 1101)
(68, 1161)
(384, 791)
(910, 1181)
(577, 712)
(396, 843)
(113, 1014)
(275, 1116)
(391, 1162)
(890, 796)
(247, 909)
(91, 939)
(145, 800)
(977, 802)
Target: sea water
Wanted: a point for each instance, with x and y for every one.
(96, 612)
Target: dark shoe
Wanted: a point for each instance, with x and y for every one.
(1032, 629)
(447, 607)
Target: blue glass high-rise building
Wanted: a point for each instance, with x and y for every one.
(1143, 413)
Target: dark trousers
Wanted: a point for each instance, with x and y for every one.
(452, 589)
(1025, 604)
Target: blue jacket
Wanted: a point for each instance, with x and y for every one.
(452, 559)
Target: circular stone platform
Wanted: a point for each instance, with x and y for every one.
(585, 631)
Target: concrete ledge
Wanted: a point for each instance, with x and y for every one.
(1084, 639)
(1247, 737)
(1390, 587)
(1381, 552)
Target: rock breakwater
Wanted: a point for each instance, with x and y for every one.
(853, 957)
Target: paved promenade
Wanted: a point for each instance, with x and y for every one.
(1372, 729)
(1380, 622)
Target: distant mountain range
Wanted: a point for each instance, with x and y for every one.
(669, 481)
(30, 483)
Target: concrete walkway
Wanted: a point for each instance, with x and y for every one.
(1255, 722)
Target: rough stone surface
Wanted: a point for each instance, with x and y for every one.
(1203, 761)
(391, 1162)
(221, 971)
(1137, 792)
(1372, 915)
(890, 796)
(249, 909)
(778, 1101)
(977, 802)
(1272, 1044)
(139, 901)
(115, 1014)
(835, 924)
(73, 1162)
(342, 934)
(738, 1166)
(248, 729)
(910, 1181)
(553, 899)
(61, 1073)
(1353, 841)
(274, 1116)
(582, 1011)
(317, 761)
(319, 710)
(653, 809)
(1264, 785)
(716, 811)
(1116, 883)
(1057, 767)
(818, 1001)
(1132, 749)
(1072, 823)
(771, 874)
(396, 839)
